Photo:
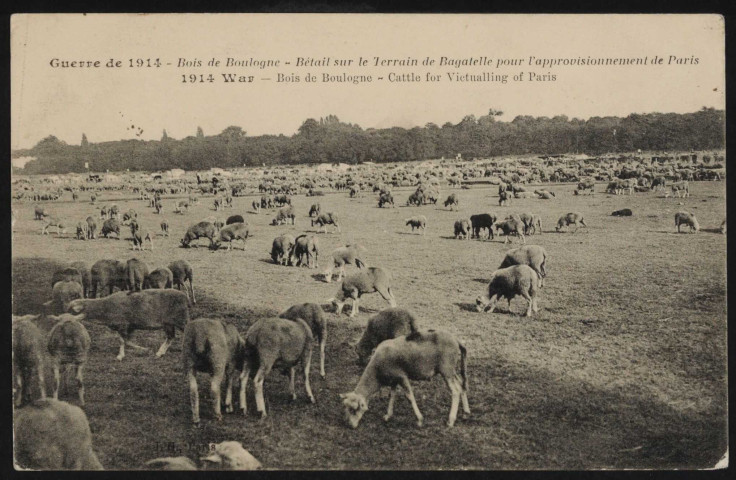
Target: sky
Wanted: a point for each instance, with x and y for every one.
(139, 103)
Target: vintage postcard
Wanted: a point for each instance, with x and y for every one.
(368, 242)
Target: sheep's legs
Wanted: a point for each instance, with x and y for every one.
(121, 352)
(388, 296)
(410, 395)
(355, 307)
(80, 384)
(258, 382)
(243, 386)
(292, 375)
(529, 299)
(164, 347)
(57, 381)
(229, 393)
(215, 384)
(191, 287)
(307, 366)
(390, 410)
(535, 306)
(193, 395)
(455, 389)
(322, 343)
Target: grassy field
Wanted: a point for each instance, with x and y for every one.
(623, 367)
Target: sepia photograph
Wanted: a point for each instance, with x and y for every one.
(369, 242)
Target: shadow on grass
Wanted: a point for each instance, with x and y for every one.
(467, 307)
(31, 283)
(481, 280)
(711, 230)
(410, 233)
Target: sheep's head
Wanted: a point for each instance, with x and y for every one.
(481, 302)
(184, 242)
(355, 406)
(76, 306)
(232, 456)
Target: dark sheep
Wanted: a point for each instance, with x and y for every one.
(281, 249)
(305, 245)
(182, 272)
(159, 278)
(626, 212)
(234, 219)
(111, 225)
(107, 274)
(481, 221)
(389, 323)
(200, 230)
(136, 272)
(324, 219)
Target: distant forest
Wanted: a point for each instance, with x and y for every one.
(330, 140)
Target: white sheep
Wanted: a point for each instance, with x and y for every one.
(508, 283)
(533, 255)
(314, 316)
(399, 360)
(274, 340)
(217, 348)
(53, 435)
(417, 222)
(124, 312)
(686, 218)
(389, 323)
(348, 255)
(223, 456)
(373, 279)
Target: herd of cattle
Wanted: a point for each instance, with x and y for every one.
(130, 296)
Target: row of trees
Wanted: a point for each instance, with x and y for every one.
(330, 140)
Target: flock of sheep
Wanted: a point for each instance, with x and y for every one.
(393, 349)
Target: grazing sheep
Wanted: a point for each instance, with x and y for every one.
(54, 222)
(103, 211)
(85, 275)
(62, 294)
(481, 221)
(217, 348)
(130, 215)
(146, 310)
(572, 218)
(463, 228)
(348, 255)
(69, 344)
(235, 231)
(386, 199)
(373, 279)
(114, 211)
(67, 274)
(389, 323)
(534, 256)
(53, 435)
(28, 345)
(315, 209)
(314, 316)
(275, 341)
(82, 231)
(234, 219)
(283, 215)
(536, 223)
(680, 189)
(200, 230)
(139, 237)
(417, 222)
(511, 226)
(504, 198)
(136, 272)
(159, 278)
(256, 206)
(686, 218)
(659, 183)
(91, 228)
(39, 213)
(305, 245)
(399, 360)
(111, 225)
(107, 274)
(182, 272)
(508, 283)
(281, 249)
(587, 184)
(452, 201)
(626, 212)
(165, 227)
(324, 219)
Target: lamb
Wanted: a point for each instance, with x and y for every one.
(452, 201)
(463, 228)
(54, 222)
(315, 209)
(234, 219)
(572, 218)
(417, 222)
(159, 278)
(399, 360)
(532, 255)
(62, 294)
(107, 274)
(348, 255)
(285, 214)
(481, 221)
(626, 212)
(511, 226)
(53, 435)
(324, 219)
(508, 283)
(85, 276)
(305, 245)
(314, 316)
(389, 323)
(136, 272)
(278, 341)
(686, 218)
(281, 249)
(373, 279)
(235, 231)
(110, 226)
(182, 272)
(145, 310)
(82, 231)
(69, 344)
(200, 230)
(28, 360)
(216, 348)
(165, 227)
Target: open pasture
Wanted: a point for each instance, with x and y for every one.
(623, 367)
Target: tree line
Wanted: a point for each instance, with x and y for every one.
(330, 140)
